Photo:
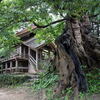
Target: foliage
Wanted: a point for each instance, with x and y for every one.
(45, 81)
(93, 78)
(49, 81)
(7, 44)
(15, 14)
(12, 80)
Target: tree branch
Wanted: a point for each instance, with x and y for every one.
(0, 0)
(92, 16)
(44, 26)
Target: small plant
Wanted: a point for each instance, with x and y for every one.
(45, 81)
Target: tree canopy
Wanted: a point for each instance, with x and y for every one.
(47, 15)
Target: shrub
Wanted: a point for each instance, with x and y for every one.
(93, 78)
(12, 80)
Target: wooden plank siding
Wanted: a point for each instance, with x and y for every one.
(29, 50)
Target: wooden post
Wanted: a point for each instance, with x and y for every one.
(6, 67)
(23, 51)
(28, 51)
(28, 56)
(37, 59)
(40, 51)
(16, 65)
(20, 49)
(10, 66)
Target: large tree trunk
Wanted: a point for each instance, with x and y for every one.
(73, 50)
(91, 44)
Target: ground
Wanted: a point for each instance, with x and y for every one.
(20, 94)
(27, 94)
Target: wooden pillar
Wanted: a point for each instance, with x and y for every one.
(28, 51)
(6, 67)
(10, 66)
(20, 50)
(28, 56)
(24, 51)
(37, 59)
(16, 65)
(40, 55)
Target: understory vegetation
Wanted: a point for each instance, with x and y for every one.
(49, 82)
(93, 78)
(7, 80)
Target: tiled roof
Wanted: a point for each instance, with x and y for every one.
(25, 31)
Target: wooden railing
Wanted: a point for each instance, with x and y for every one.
(17, 55)
(32, 60)
(23, 56)
(14, 68)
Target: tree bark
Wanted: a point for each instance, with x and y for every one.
(91, 44)
(75, 47)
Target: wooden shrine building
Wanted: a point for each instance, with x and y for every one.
(27, 56)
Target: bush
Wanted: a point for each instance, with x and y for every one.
(93, 78)
(12, 80)
(45, 81)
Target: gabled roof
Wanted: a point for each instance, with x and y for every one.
(25, 31)
(32, 43)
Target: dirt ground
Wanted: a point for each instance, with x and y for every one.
(20, 94)
(27, 94)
